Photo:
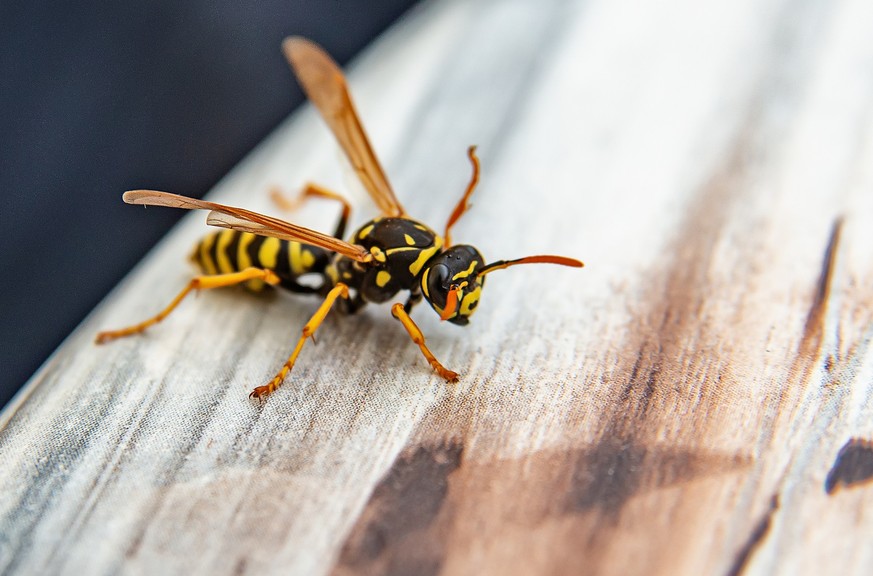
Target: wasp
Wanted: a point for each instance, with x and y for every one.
(390, 254)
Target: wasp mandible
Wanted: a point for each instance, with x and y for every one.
(387, 255)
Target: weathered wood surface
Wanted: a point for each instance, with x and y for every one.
(677, 407)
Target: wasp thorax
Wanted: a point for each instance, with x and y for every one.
(452, 285)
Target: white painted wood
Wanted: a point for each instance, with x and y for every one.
(673, 408)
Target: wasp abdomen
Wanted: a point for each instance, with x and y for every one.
(231, 251)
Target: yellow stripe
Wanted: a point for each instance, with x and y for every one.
(308, 260)
(242, 252)
(365, 232)
(206, 262)
(300, 259)
(425, 255)
(224, 238)
(243, 260)
(268, 253)
(391, 251)
(295, 258)
(466, 272)
(424, 283)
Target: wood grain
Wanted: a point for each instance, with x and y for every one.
(697, 400)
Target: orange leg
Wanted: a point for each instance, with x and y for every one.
(462, 205)
(314, 191)
(415, 333)
(198, 283)
(338, 291)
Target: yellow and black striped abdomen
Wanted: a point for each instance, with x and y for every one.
(230, 251)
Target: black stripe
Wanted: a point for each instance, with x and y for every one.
(201, 258)
(231, 250)
(283, 266)
(253, 249)
(213, 252)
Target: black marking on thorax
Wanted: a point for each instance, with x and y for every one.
(401, 248)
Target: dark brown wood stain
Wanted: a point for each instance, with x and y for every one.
(608, 474)
(398, 531)
(815, 319)
(762, 528)
(853, 466)
(432, 507)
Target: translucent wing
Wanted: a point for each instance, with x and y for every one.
(325, 85)
(248, 221)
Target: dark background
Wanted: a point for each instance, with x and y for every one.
(101, 97)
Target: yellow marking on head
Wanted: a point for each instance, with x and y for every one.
(347, 275)
(365, 231)
(377, 253)
(225, 237)
(382, 278)
(268, 253)
(409, 239)
(205, 261)
(425, 255)
(469, 301)
(466, 272)
(421, 227)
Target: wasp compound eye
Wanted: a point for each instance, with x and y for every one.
(438, 284)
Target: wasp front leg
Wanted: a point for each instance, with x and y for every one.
(198, 283)
(415, 333)
(338, 291)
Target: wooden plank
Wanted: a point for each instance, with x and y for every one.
(686, 404)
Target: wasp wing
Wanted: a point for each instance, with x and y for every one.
(247, 221)
(325, 85)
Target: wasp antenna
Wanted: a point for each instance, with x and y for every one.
(546, 259)
(463, 205)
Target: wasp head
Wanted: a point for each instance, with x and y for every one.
(452, 285)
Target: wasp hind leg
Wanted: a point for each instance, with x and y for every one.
(314, 191)
(415, 333)
(338, 291)
(198, 283)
